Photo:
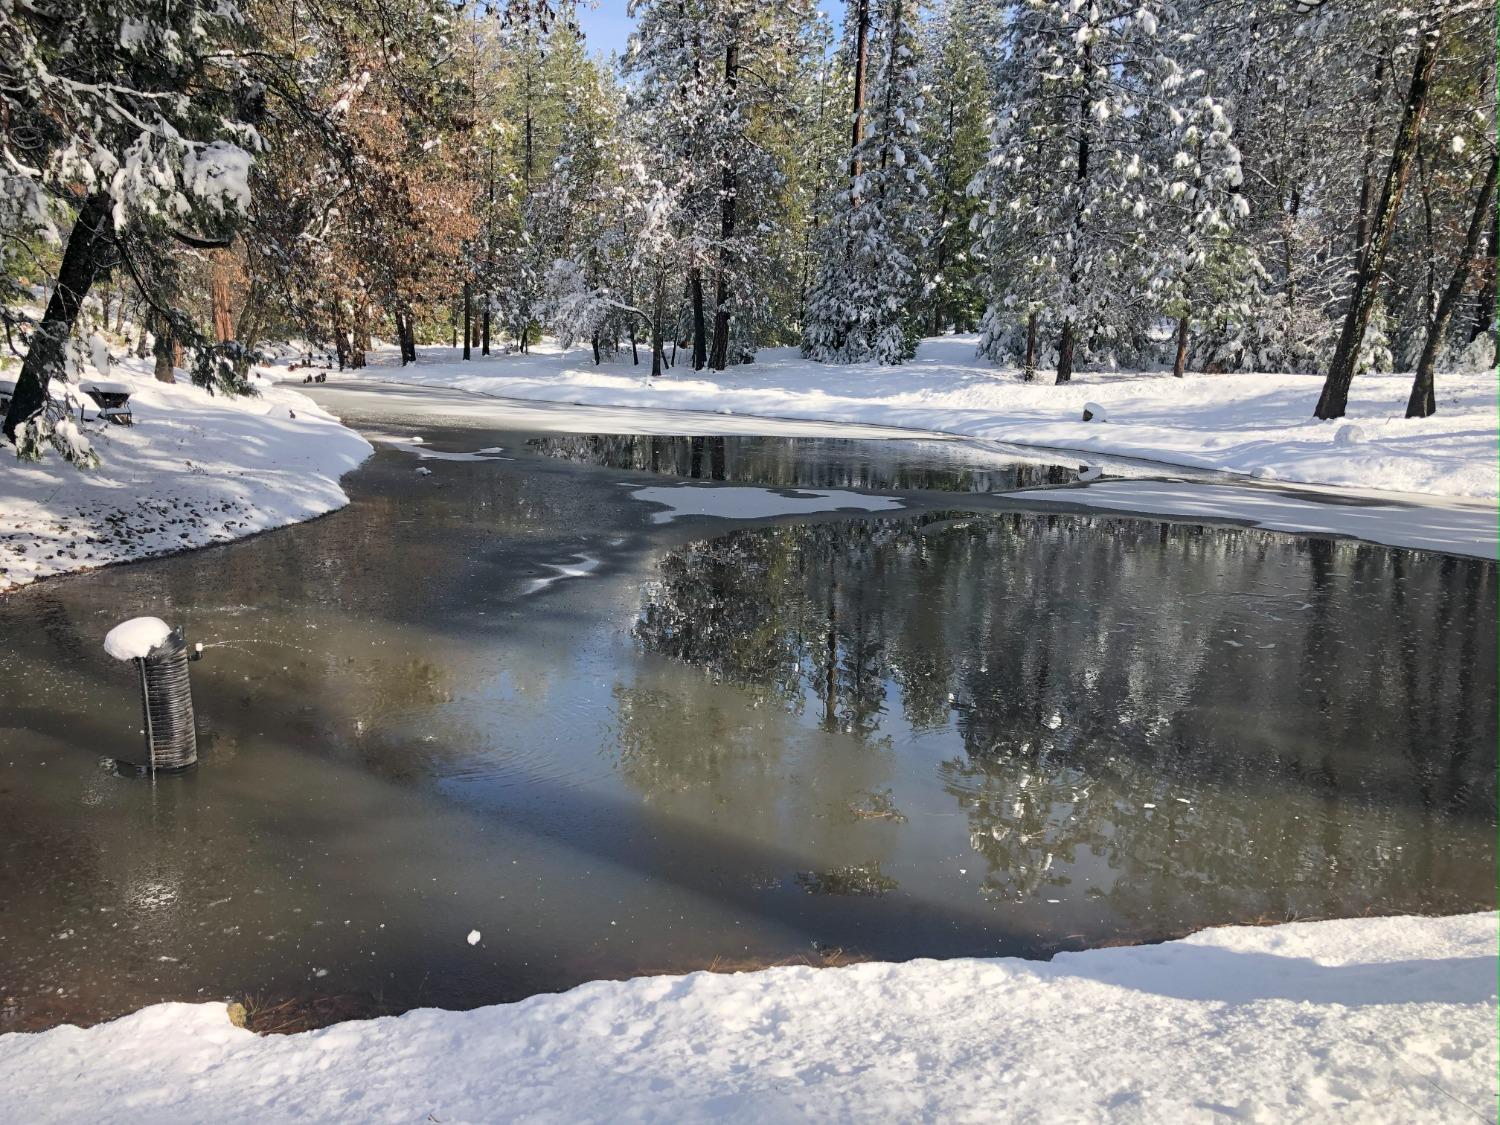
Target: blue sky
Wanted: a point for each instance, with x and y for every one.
(606, 26)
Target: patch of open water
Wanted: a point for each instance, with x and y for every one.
(502, 697)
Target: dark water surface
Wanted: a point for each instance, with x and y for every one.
(961, 727)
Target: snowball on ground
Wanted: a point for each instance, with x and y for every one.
(1368, 1020)
(1256, 424)
(134, 639)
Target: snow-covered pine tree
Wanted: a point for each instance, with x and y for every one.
(672, 66)
(757, 47)
(956, 141)
(862, 304)
(1199, 270)
(816, 157)
(120, 116)
(1069, 185)
(707, 77)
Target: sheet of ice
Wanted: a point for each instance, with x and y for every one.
(577, 567)
(1257, 424)
(418, 446)
(134, 639)
(1461, 529)
(195, 469)
(737, 502)
(1368, 1020)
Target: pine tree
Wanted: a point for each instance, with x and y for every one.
(130, 124)
(861, 305)
(956, 141)
(1071, 185)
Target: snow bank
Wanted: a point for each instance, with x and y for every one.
(134, 639)
(1369, 1020)
(1436, 525)
(1258, 425)
(195, 469)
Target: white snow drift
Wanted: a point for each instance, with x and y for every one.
(1368, 1020)
(194, 469)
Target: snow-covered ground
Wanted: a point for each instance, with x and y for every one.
(1368, 1020)
(194, 469)
(1432, 523)
(1258, 425)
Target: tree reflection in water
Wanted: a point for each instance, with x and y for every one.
(1187, 720)
(786, 462)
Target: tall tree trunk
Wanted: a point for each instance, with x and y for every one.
(941, 254)
(1423, 401)
(407, 328)
(1484, 311)
(340, 340)
(1366, 178)
(1065, 353)
(468, 316)
(87, 242)
(658, 310)
(484, 328)
(1179, 365)
(695, 296)
(247, 332)
(360, 338)
(1065, 345)
(729, 188)
(1289, 224)
(1335, 397)
(1429, 296)
(162, 349)
(1028, 372)
(861, 50)
(223, 313)
(635, 356)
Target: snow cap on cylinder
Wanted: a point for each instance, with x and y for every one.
(134, 639)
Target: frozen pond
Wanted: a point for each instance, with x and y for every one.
(503, 696)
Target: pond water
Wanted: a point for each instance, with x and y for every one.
(504, 697)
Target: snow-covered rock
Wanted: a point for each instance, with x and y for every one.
(1093, 412)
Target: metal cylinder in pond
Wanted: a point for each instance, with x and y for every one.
(171, 740)
(161, 657)
(167, 706)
